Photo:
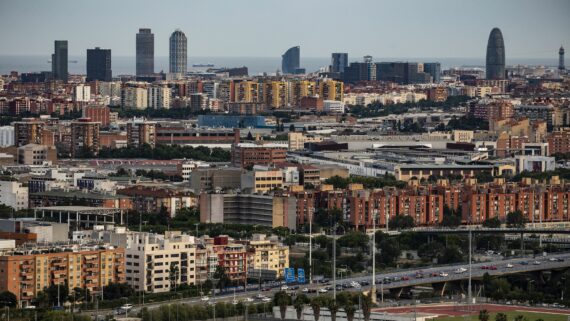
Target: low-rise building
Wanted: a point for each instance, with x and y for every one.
(13, 194)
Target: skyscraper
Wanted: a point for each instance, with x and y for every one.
(99, 64)
(495, 55)
(145, 52)
(339, 61)
(434, 70)
(290, 60)
(561, 59)
(59, 61)
(178, 54)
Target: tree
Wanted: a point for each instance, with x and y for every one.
(221, 276)
(316, 306)
(367, 305)
(57, 296)
(520, 318)
(174, 274)
(493, 222)
(401, 222)
(500, 317)
(292, 129)
(389, 250)
(349, 309)
(249, 136)
(282, 299)
(8, 299)
(483, 315)
(451, 217)
(515, 219)
(299, 304)
(114, 291)
(333, 308)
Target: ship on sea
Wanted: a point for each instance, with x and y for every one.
(202, 65)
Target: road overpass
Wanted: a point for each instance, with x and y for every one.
(433, 275)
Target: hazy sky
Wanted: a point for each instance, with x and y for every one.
(265, 28)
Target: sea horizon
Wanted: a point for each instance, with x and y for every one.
(125, 65)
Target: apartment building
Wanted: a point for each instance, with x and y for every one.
(160, 263)
(266, 253)
(26, 272)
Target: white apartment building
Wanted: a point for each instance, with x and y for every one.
(333, 106)
(82, 93)
(158, 263)
(134, 97)
(13, 194)
(159, 97)
(6, 136)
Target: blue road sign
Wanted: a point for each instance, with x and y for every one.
(301, 276)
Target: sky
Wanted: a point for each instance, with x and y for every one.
(266, 28)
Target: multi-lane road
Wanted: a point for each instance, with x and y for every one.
(397, 279)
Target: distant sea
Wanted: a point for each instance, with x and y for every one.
(122, 65)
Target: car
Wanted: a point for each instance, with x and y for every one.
(492, 267)
(553, 259)
(323, 290)
(295, 287)
(364, 283)
(205, 298)
(355, 284)
(510, 266)
(419, 276)
(443, 274)
(305, 290)
(284, 288)
(536, 262)
(484, 267)
(524, 263)
(126, 307)
(266, 299)
(405, 278)
(266, 289)
(460, 270)
(434, 274)
(235, 302)
(30, 307)
(249, 300)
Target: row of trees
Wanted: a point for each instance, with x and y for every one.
(347, 301)
(367, 182)
(202, 312)
(165, 152)
(377, 109)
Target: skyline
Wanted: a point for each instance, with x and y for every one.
(211, 28)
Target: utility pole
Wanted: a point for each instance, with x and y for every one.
(310, 246)
(373, 288)
(334, 262)
(470, 250)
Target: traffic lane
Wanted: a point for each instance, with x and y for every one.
(449, 269)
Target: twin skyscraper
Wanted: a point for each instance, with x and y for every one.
(178, 53)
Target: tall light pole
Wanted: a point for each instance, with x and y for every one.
(373, 288)
(310, 246)
(334, 261)
(469, 290)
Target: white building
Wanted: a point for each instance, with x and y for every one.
(134, 97)
(534, 163)
(159, 97)
(82, 93)
(6, 136)
(157, 263)
(13, 194)
(333, 106)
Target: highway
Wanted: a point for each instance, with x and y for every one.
(392, 280)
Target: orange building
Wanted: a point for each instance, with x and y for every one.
(25, 272)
